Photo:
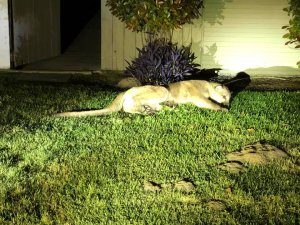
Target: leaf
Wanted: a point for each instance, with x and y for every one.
(287, 43)
(158, 64)
(286, 35)
(285, 9)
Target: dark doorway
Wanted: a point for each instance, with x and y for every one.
(74, 16)
(77, 31)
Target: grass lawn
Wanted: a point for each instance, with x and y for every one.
(93, 170)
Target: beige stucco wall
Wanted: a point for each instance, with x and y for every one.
(4, 36)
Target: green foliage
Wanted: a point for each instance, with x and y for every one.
(294, 24)
(158, 18)
(155, 16)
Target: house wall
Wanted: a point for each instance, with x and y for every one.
(235, 35)
(36, 28)
(246, 35)
(4, 36)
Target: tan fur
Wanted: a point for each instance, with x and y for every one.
(149, 99)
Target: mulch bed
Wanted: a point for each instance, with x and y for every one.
(270, 84)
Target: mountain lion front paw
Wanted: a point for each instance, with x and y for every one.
(224, 110)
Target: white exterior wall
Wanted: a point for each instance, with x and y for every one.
(4, 36)
(235, 35)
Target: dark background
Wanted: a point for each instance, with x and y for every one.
(74, 16)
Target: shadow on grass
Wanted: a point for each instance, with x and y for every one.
(27, 103)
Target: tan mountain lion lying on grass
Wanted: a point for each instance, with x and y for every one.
(149, 99)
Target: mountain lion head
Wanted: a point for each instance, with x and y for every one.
(220, 94)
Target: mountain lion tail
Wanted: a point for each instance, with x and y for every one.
(115, 106)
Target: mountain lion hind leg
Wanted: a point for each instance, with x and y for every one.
(145, 100)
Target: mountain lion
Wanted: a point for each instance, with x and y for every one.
(149, 99)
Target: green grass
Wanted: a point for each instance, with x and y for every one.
(92, 170)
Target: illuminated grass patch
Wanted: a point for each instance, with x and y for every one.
(93, 170)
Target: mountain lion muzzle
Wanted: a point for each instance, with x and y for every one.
(150, 99)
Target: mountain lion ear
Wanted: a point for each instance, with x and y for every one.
(218, 87)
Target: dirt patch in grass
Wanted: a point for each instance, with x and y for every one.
(217, 205)
(183, 186)
(254, 154)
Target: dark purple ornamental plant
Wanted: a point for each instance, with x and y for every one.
(161, 62)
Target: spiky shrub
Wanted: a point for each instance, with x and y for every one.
(161, 62)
